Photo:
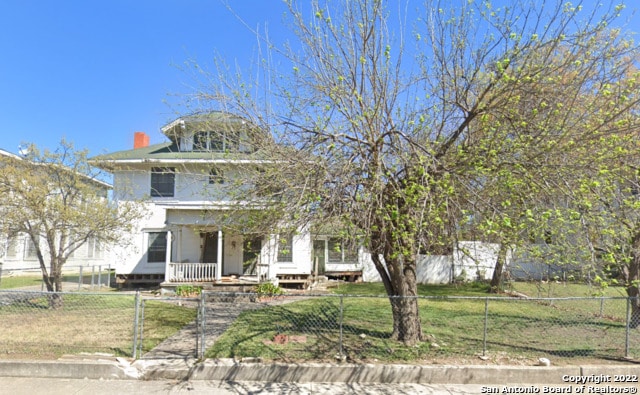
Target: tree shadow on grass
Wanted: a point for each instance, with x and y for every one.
(309, 331)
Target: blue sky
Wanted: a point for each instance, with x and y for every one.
(94, 72)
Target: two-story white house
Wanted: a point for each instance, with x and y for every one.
(188, 235)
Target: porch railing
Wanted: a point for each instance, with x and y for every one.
(192, 272)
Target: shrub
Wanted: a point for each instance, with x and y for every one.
(188, 291)
(268, 289)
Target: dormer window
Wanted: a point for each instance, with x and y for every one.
(215, 141)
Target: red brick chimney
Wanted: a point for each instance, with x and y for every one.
(140, 140)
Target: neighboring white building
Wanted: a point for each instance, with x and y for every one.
(469, 261)
(17, 252)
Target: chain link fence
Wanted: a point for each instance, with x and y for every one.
(48, 325)
(314, 327)
(76, 278)
(361, 329)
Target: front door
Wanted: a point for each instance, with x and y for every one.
(210, 248)
(251, 247)
(319, 255)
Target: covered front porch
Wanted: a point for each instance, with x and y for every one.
(201, 255)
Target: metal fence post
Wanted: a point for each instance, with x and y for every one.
(601, 306)
(135, 323)
(626, 340)
(99, 276)
(341, 319)
(203, 311)
(486, 319)
(93, 273)
(109, 276)
(141, 327)
(80, 279)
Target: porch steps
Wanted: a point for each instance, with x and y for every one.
(300, 281)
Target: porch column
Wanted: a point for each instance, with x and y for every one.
(219, 252)
(167, 266)
(179, 247)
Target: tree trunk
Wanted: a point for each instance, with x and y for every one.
(633, 293)
(53, 281)
(406, 320)
(496, 279)
(632, 281)
(399, 278)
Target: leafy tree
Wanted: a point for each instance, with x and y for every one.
(396, 130)
(59, 202)
(606, 199)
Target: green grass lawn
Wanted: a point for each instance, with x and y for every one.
(85, 323)
(453, 321)
(469, 289)
(20, 281)
(27, 280)
(554, 289)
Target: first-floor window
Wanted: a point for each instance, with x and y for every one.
(30, 251)
(157, 247)
(94, 249)
(11, 251)
(285, 249)
(12, 247)
(341, 252)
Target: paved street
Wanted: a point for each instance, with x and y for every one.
(52, 386)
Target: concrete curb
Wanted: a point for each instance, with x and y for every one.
(228, 370)
(231, 370)
(66, 369)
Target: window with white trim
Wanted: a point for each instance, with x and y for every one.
(215, 141)
(94, 248)
(163, 180)
(13, 244)
(285, 249)
(341, 252)
(157, 247)
(30, 250)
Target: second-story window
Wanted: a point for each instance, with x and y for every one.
(163, 181)
(216, 176)
(215, 141)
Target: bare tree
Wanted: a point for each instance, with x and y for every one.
(59, 202)
(390, 121)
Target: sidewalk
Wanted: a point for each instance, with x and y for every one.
(36, 386)
(183, 344)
